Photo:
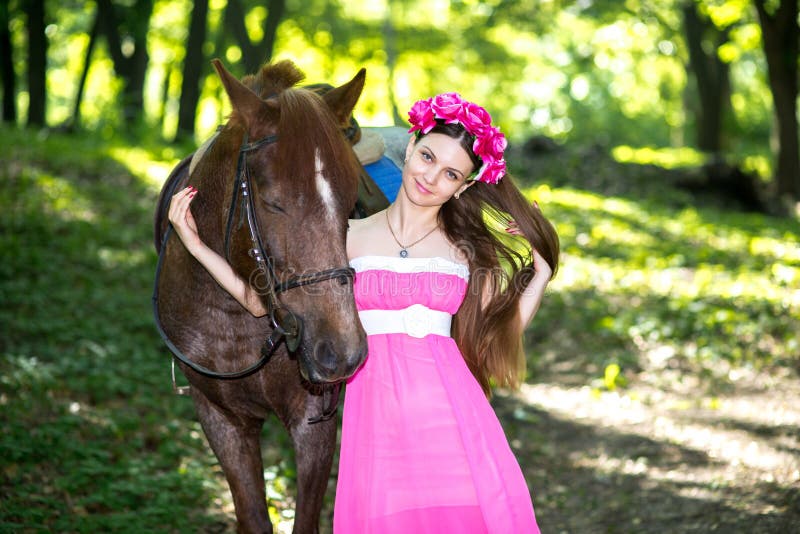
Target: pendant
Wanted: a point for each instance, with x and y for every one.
(403, 253)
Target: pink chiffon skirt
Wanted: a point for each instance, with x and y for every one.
(422, 450)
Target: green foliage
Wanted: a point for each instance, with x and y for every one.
(611, 72)
(93, 439)
(650, 281)
(614, 71)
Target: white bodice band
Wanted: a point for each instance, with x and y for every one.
(413, 303)
(416, 321)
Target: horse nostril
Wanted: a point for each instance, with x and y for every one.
(325, 356)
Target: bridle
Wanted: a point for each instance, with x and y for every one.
(286, 326)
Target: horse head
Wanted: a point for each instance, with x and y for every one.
(301, 184)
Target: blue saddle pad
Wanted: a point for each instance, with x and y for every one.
(387, 176)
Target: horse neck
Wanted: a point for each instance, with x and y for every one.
(215, 176)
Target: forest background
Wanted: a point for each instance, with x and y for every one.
(661, 137)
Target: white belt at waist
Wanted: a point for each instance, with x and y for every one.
(417, 321)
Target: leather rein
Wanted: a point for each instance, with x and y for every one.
(286, 326)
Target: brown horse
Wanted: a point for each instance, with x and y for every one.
(275, 190)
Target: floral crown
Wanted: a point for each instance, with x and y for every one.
(489, 143)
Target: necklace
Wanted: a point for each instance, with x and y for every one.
(404, 248)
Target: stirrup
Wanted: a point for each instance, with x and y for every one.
(178, 390)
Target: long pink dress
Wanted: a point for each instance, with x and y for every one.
(422, 450)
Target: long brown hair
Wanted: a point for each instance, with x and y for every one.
(489, 334)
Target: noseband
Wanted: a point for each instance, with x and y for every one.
(286, 325)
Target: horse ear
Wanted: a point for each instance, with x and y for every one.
(246, 103)
(343, 99)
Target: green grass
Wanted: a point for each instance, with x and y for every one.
(93, 438)
(650, 279)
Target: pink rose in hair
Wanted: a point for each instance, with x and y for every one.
(474, 118)
(491, 145)
(447, 106)
(421, 116)
(493, 171)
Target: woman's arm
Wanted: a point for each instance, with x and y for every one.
(183, 222)
(531, 297)
(533, 293)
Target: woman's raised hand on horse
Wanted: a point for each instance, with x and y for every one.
(180, 215)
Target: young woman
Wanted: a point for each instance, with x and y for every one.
(445, 284)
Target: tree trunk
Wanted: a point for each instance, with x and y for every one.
(780, 34)
(254, 54)
(138, 61)
(7, 76)
(274, 16)
(234, 18)
(131, 67)
(712, 79)
(192, 69)
(37, 63)
(107, 15)
(76, 110)
(162, 109)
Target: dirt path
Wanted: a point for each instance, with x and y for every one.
(657, 456)
(650, 460)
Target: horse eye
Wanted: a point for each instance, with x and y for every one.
(274, 207)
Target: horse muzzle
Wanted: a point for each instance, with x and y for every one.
(327, 362)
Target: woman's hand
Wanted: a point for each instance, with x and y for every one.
(512, 227)
(180, 215)
(532, 295)
(539, 264)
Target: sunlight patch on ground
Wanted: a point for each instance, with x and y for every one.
(746, 438)
(213, 478)
(64, 198)
(280, 504)
(112, 258)
(663, 157)
(632, 223)
(630, 249)
(284, 526)
(144, 165)
(604, 274)
(777, 248)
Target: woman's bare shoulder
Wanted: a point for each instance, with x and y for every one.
(362, 234)
(366, 224)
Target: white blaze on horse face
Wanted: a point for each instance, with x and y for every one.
(324, 186)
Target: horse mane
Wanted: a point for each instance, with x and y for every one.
(274, 78)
